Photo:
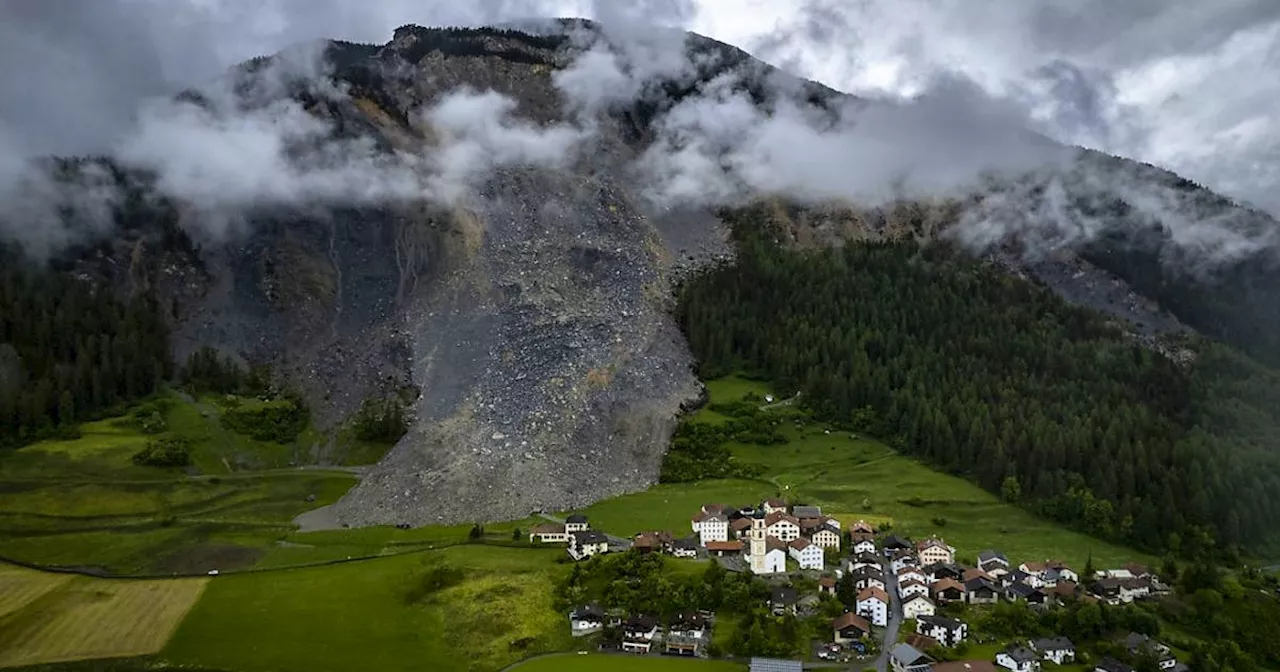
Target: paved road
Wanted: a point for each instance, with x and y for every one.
(895, 620)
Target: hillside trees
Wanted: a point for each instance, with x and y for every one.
(990, 376)
(71, 350)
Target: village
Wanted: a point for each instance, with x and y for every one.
(902, 603)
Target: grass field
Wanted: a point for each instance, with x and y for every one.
(625, 663)
(56, 618)
(363, 615)
(854, 477)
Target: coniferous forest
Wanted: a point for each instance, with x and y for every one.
(986, 375)
(70, 351)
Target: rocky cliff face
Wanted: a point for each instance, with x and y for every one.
(531, 315)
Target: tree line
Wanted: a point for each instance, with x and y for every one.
(986, 375)
(72, 351)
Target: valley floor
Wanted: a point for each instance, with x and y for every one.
(286, 600)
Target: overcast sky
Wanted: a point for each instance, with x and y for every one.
(1187, 84)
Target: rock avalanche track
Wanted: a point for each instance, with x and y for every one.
(550, 370)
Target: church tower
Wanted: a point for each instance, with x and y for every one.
(758, 546)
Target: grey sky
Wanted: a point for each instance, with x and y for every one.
(1186, 84)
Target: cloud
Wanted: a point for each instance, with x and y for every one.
(479, 132)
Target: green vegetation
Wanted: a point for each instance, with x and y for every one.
(991, 377)
(167, 452)
(373, 615)
(69, 352)
(596, 662)
(380, 421)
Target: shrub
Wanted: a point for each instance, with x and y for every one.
(165, 452)
(939, 521)
(278, 420)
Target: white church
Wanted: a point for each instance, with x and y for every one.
(767, 554)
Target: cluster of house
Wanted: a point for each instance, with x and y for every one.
(684, 635)
(766, 535)
(582, 541)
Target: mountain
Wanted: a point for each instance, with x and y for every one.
(530, 313)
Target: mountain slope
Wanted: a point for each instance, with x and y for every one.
(521, 283)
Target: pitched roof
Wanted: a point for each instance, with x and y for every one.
(910, 570)
(713, 508)
(771, 518)
(908, 655)
(774, 502)
(1113, 665)
(909, 583)
(826, 527)
(941, 621)
(848, 619)
(917, 596)
(873, 592)
(892, 541)
(862, 526)
(1020, 653)
(862, 536)
(589, 610)
(771, 543)
(698, 517)
(1053, 644)
(640, 623)
(590, 537)
(990, 555)
(684, 544)
(784, 595)
(922, 642)
(970, 574)
(931, 542)
(979, 583)
(827, 582)
(741, 524)
(576, 518)
(806, 511)
(800, 543)
(547, 528)
(723, 546)
(1064, 588)
(945, 584)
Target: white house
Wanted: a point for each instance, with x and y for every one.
(586, 543)
(864, 546)
(873, 605)
(916, 606)
(1059, 650)
(993, 563)
(868, 577)
(711, 527)
(575, 523)
(586, 619)
(774, 505)
(903, 559)
(548, 533)
(782, 526)
(908, 588)
(638, 633)
(911, 574)
(947, 631)
(1018, 659)
(1049, 572)
(766, 554)
(934, 550)
(684, 548)
(827, 537)
(809, 555)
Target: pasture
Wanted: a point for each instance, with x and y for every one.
(62, 618)
(493, 608)
(852, 477)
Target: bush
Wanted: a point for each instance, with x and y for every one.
(434, 580)
(166, 452)
(381, 421)
(278, 420)
(939, 521)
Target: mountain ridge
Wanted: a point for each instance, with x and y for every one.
(533, 315)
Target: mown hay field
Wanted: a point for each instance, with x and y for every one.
(48, 618)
